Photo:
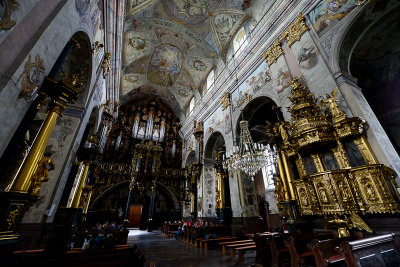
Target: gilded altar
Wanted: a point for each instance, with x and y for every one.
(333, 171)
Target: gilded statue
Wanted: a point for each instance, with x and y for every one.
(343, 190)
(41, 175)
(279, 189)
(322, 195)
(354, 221)
(283, 132)
(303, 197)
(96, 47)
(106, 64)
(337, 114)
(368, 189)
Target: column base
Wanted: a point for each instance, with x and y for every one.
(13, 206)
(290, 214)
(224, 215)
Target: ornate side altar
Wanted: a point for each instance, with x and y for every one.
(327, 165)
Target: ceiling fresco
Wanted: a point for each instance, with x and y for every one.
(169, 48)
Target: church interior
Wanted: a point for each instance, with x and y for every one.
(158, 132)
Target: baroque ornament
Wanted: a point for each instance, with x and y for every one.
(5, 16)
(328, 185)
(273, 52)
(295, 30)
(31, 76)
(225, 101)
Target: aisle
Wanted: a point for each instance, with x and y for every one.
(165, 252)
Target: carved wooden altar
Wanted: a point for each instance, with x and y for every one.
(334, 172)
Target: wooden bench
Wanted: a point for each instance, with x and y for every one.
(209, 242)
(200, 240)
(325, 252)
(242, 250)
(172, 234)
(298, 247)
(120, 256)
(223, 244)
(234, 246)
(374, 251)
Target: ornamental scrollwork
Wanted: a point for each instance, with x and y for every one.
(295, 30)
(273, 52)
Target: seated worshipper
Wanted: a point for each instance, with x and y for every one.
(99, 241)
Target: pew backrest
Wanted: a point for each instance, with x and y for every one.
(374, 251)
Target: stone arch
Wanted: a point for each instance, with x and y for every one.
(213, 143)
(351, 34)
(167, 191)
(81, 59)
(354, 87)
(190, 158)
(253, 112)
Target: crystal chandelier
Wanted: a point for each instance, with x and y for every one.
(248, 156)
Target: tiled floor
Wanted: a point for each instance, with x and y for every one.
(162, 251)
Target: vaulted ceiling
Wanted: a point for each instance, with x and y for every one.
(170, 46)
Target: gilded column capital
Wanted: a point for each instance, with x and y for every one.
(225, 101)
(295, 30)
(273, 52)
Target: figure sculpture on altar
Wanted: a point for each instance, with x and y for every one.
(41, 175)
(337, 114)
(279, 189)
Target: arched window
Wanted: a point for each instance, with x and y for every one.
(210, 79)
(191, 106)
(240, 41)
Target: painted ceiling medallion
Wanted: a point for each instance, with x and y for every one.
(192, 12)
(165, 65)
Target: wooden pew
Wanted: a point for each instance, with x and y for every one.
(120, 256)
(223, 244)
(205, 243)
(325, 252)
(233, 246)
(298, 247)
(242, 250)
(172, 234)
(374, 251)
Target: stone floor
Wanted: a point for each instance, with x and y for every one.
(162, 251)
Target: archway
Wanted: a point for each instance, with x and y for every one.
(374, 62)
(111, 204)
(259, 195)
(214, 144)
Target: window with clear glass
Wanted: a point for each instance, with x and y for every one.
(240, 41)
(191, 105)
(210, 80)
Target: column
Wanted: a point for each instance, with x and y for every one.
(15, 201)
(77, 191)
(289, 176)
(224, 210)
(151, 211)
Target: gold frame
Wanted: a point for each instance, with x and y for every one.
(6, 22)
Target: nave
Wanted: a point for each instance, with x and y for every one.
(162, 251)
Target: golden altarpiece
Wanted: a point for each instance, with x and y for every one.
(327, 166)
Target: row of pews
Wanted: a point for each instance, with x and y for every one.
(121, 255)
(320, 248)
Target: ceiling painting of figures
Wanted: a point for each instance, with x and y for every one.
(169, 48)
(165, 65)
